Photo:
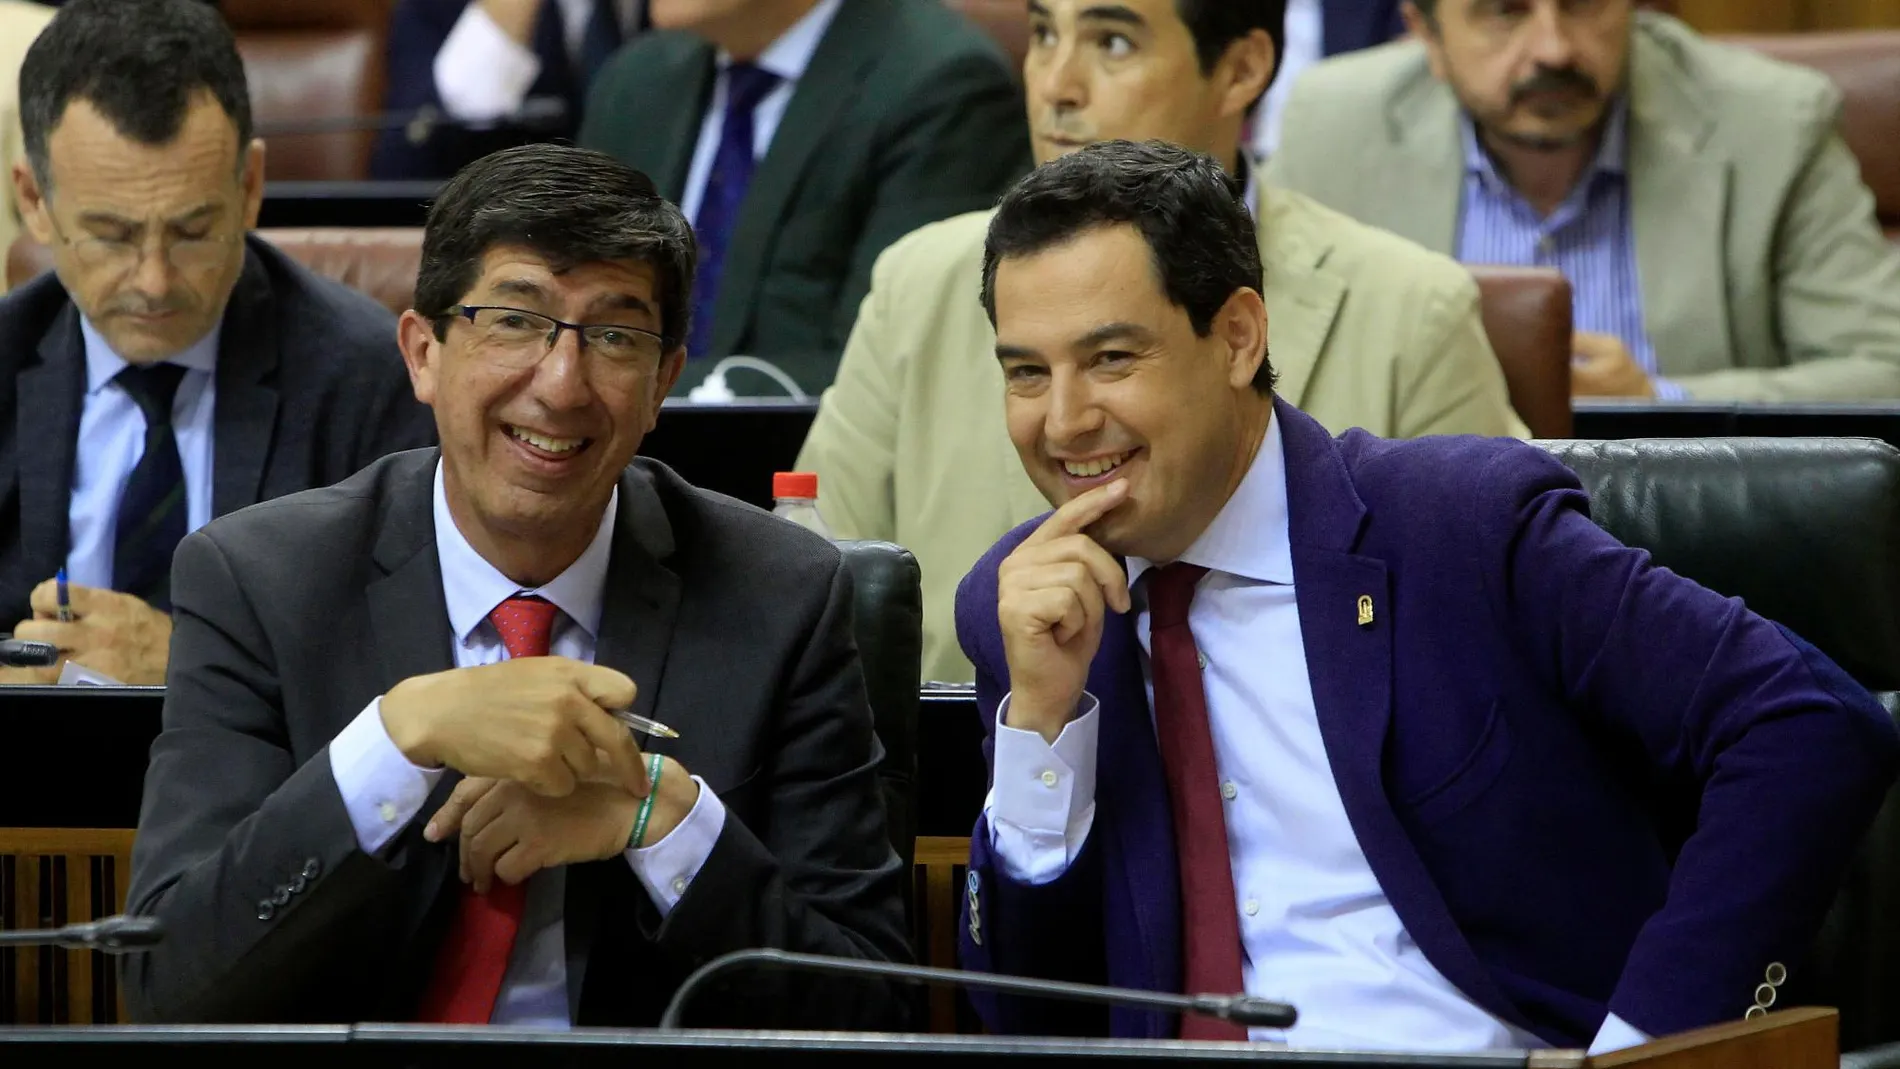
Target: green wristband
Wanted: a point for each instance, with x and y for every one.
(654, 767)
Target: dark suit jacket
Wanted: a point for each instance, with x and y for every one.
(1586, 784)
(292, 616)
(1350, 25)
(907, 114)
(310, 387)
(417, 29)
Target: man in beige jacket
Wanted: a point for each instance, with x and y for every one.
(20, 23)
(1713, 224)
(1366, 330)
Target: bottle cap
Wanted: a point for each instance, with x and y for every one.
(795, 484)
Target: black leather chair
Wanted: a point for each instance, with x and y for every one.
(1806, 531)
(888, 600)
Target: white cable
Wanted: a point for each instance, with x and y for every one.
(714, 389)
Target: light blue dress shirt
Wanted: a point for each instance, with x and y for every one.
(1316, 929)
(788, 57)
(383, 792)
(112, 441)
(1588, 238)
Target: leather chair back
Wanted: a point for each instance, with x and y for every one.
(1007, 21)
(888, 602)
(1527, 317)
(1865, 64)
(381, 262)
(306, 62)
(1804, 530)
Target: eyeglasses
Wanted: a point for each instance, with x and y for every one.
(514, 337)
(123, 257)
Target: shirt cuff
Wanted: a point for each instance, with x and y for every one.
(1042, 802)
(1616, 1034)
(382, 791)
(667, 867)
(1666, 390)
(481, 73)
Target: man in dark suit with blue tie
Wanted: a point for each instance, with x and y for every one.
(1375, 727)
(172, 368)
(494, 73)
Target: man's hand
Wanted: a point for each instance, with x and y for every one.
(509, 833)
(542, 721)
(1052, 597)
(1603, 367)
(113, 633)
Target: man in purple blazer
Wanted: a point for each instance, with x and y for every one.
(1388, 730)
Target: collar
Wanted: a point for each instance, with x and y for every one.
(102, 364)
(1612, 156)
(473, 587)
(790, 55)
(1249, 176)
(1249, 538)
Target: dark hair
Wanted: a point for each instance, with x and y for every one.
(571, 206)
(1217, 24)
(1192, 214)
(139, 62)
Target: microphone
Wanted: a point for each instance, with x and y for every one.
(1240, 1009)
(23, 653)
(542, 113)
(119, 934)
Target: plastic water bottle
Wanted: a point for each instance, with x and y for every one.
(797, 495)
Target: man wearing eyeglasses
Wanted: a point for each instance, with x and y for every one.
(172, 368)
(413, 676)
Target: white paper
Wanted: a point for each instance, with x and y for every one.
(74, 674)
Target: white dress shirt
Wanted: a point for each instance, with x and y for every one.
(383, 792)
(112, 441)
(482, 74)
(1305, 46)
(788, 57)
(1315, 927)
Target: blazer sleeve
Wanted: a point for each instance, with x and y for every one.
(248, 858)
(1052, 931)
(1837, 295)
(852, 445)
(821, 877)
(1789, 756)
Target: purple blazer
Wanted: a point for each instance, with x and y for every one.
(1586, 784)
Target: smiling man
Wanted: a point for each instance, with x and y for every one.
(172, 368)
(411, 676)
(1367, 726)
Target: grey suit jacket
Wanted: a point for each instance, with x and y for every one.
(292, 616)
(310, 387)
(1764, 275)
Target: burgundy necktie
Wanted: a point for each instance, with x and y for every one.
(474, 957)
(1210, 924)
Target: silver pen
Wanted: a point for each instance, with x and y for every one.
(645, 726)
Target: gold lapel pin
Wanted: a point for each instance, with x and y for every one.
(1365, 610)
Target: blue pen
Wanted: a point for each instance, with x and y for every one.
(65, 599)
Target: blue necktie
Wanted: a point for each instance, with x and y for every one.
(733, 164)
(151, 520)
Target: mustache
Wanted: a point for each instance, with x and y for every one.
(1555, 80)
(140, 306)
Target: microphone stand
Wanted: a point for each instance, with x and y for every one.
(1240, 1009)
(120, 934)
(25, 653)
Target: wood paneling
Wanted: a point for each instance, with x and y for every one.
(1787, 16)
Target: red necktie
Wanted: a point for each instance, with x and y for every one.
(474, 957)
(1210, 924)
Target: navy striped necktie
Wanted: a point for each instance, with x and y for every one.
(151, 520)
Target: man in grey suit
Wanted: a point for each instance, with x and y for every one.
(1713, 224)
(172, 368)
(408, 676)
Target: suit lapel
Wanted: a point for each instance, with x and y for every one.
(1678, 203)
(245, 412)
(1302, 299)
(830, 81)
(51, 395)
(1423, 197)
(1350, 666)
(675, 133)
(408, 613)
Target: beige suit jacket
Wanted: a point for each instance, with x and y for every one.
(20, 23)
(910, 444)
(1763, 273)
